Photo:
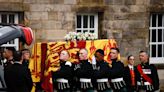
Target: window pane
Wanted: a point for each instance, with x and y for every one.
(91, 21)
(4, 18)
(159, 35)
(163, 50)
(78, 30)
(11, 42)
(154, 20)
(153, 35)
(92, 31)
(84, 31)
(160, 20)
(163, 35)
(78, 21)
(153, 50)
(160, 50)
(11, 18)
(85, 21)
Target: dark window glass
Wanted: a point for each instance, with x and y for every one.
(154, 20)
(159, 35)
(160, 50)
(153, 50)
(78, 30)
(153, 35)
(11, 18)
(159, 20)
(78, 21)
(92, 31)
(4, 18)
(85, 21)
(91, 21)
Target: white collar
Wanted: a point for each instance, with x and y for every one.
(131, 66)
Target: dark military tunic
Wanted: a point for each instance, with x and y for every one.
(84, 74)
(117, 72)
(63, 78)
(128, 79)
(142, 83)
(101, 76)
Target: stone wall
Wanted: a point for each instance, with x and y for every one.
(127, 21)
(128, 24)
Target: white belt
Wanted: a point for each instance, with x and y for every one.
(145, 83)
(85, 80)
(117, 80)
(102, 80)
(62, 80)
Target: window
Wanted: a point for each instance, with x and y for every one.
(87, 23)
(157, 38)
(10, 18)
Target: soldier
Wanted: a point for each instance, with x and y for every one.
(63, 77)
(129, 74)
(116, 72)
(100, 74)
(84, 72)
(146, 75)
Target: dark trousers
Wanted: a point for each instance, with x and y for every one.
(87, 90)
(141, 90)
(123, 89)
(131, 89)
(107, 90)
(67, 90)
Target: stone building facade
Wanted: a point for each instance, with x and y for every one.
(127, 21)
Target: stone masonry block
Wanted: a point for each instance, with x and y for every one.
(137, 8)
(37, 15)
(55, 34)
(50, 7)
(69, 1)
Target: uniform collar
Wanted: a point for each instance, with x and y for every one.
(131, 66)
(147, 63)
(83, 61)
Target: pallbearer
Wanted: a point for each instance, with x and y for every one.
(117, 72)
(84, 72)
(101, 75)
(63, 77)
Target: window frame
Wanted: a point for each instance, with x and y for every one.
(95, 22)
(156, 59)
(16, 21)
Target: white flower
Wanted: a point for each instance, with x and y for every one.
(73, 36)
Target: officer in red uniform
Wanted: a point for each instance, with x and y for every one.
(146, 75)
